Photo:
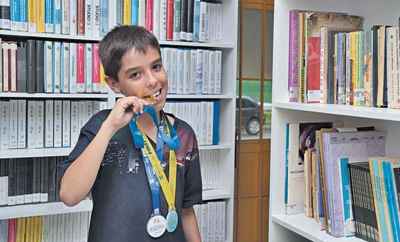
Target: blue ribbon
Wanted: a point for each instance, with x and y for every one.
(172, 142)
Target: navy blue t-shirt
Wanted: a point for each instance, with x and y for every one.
(121, 194)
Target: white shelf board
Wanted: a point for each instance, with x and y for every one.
(309, 228)
(216, 147)
(42, 209)
(40, 152)
(213, 194)
(48, 35)
(192, 96)
(198, 44)
(53, 95)
(343, 110)
(49, 152)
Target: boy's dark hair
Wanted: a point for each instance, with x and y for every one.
(120, 40)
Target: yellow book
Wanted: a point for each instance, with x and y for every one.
(32, 6)
(29, 230)
(127, 12)
(21, 230)
(103, 83)
(40, 16)
(34, 229)
(353, 65)
(40, 229)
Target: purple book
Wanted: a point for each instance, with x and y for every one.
(293, 70)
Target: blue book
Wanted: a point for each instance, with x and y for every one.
(103, 17)
(48, 16)
(379, 200)
(286, 164)
(14, 14)
(57, 16)
(216, 113)
(23, 15)
(119, 12)
(391, 199)
(346, 197)
(135, 12)
(196, 20)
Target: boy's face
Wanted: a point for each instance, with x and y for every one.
(142, 75)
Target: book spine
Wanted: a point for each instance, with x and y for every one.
(5, 22)
(49, 19)
(88, 17)
(96, 69)
(81, 17)
(65, 67)
(170, 19)
(88, 67)
(80, 68)
(48, 66)
(104, 18)
(22, 124)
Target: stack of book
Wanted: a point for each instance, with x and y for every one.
(72, 227)
(333, 60)
(38, 66)
(69, 17)
(178, 20)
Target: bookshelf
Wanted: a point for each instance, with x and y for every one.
(225, 147)
(299, 227)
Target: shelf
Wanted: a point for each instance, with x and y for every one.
(192, 96)
(48, 35)
(49, 152)
(197, 44)
(213, 194)
(54, 95)
(216, 147)
(40, 152)
(308, 228)
(41, 209)
(344, 110)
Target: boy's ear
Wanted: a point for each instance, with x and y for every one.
(113, 84)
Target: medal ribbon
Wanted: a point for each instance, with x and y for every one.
(168, 187)
(152, 159)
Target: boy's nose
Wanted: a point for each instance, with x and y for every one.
(151, 80)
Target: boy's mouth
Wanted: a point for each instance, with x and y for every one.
(154, 97)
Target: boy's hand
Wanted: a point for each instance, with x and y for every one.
(123, 112)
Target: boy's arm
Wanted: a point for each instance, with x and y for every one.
(189, 224)
(79, 178)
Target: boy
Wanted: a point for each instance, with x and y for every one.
(127, 204)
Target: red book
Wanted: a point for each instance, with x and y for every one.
(149, 15)
(80, 61)
(12, 229)
(80, 20)
(95, 68)
(170, 19)
(313, 70)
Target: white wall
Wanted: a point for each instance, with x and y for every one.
(252, 44)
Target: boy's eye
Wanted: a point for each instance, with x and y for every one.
(134, 75)
(157, 67)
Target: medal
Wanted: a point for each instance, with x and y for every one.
(156, 226)
(172, 220)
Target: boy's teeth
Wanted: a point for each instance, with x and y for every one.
(156, 94)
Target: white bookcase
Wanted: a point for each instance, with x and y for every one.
(299, 227)
(225, 148)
